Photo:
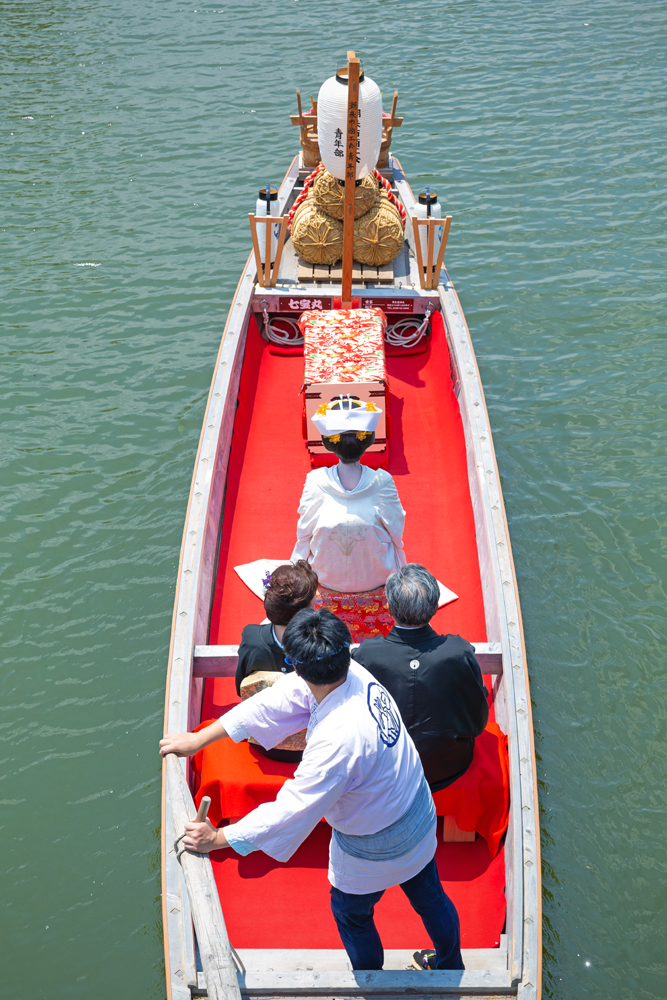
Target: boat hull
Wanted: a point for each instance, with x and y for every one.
(191, 658)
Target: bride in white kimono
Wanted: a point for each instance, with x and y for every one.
(351, 521)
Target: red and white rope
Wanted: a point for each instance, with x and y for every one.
(390, 195)
(307, 184)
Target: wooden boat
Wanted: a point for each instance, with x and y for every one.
(248, 475)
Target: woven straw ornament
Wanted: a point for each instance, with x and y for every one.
(316, 236)
(378, 235)
(330, 195)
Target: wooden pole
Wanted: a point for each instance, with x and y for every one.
(255, 244)
(350, 176)
(279, 249)
(204, 807)
(441, 252)
(214, 947)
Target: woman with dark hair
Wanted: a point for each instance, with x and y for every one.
(291, 587)
(351, 521)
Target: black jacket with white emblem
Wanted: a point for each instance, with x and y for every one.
(437, 684)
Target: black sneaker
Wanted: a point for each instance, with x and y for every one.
(424, 959)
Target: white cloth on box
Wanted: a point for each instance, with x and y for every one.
(253, 573)
(446, 595)
(352, 539)
(360, 770)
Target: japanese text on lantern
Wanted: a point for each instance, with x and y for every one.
(338, 143)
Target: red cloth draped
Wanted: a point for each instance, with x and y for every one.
(480, 799)
(238, 778)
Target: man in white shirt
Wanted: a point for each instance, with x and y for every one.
(360, 770)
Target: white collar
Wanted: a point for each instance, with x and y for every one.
(360, 485)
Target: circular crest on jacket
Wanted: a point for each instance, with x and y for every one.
(384, 713)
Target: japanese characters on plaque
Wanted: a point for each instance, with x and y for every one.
(300, 305)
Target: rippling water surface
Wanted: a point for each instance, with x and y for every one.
(134, 138)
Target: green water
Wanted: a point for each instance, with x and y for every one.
(134, 137)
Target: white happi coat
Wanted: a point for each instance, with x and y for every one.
(352, 538)
(360, 770)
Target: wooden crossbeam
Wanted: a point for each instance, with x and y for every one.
(220, 661)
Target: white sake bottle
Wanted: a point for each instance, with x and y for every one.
(428, 207)
(267, 204)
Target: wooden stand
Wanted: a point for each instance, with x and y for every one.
(453, 834)
(308, 125)
(388, 126)
(350, 177)
(267, 273)
(432, 277)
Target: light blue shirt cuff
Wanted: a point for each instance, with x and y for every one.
(238, 843)
(233, 728)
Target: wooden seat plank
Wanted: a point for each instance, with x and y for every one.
(305, 270)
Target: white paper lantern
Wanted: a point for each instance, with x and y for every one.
(332, 124)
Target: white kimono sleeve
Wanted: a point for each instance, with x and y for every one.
(279, 828)
(271, 715)
(392, 516)
(311, 500)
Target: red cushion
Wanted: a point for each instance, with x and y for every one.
(238, 778)
(480, 799)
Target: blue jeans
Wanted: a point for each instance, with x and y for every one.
(354, 916)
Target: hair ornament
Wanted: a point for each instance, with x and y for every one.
(361, 435)
(360, 419)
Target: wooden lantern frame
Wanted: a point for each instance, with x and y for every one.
(267, 273)
(431, 278)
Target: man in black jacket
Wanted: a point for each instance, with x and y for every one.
(434, 679)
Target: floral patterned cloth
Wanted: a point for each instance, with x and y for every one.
(343, 345)
(366, 614)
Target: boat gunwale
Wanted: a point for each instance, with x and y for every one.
(198, 521)
(524, 795)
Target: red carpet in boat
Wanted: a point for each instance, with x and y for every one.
(269, 463)
(271, 905)
(267, 468)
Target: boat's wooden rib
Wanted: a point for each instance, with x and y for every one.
(336, 959)
(515, 969)
(220, 661)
